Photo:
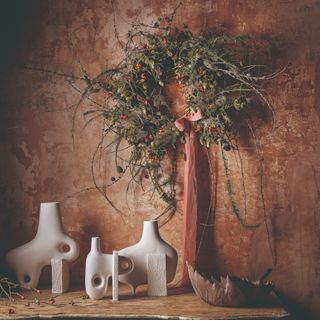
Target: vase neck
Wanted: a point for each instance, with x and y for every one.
(50, 218)
(150, 230)
(95, 244)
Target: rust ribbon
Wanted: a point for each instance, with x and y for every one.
(196, 193)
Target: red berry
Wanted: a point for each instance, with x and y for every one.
(148, 138)
(20, 296)
(123, 116)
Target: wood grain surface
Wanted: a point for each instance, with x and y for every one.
(175, 306)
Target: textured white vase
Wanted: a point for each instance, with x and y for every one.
(150, 243)
(49, 243)
(99, 270)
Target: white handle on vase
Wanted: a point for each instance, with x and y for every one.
(73, 252)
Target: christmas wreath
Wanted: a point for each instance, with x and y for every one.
(218, 84)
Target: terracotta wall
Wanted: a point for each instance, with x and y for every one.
(39, 161)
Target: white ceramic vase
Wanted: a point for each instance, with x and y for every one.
(49, 243)
(150, 243)
(99, 270)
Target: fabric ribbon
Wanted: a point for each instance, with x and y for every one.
(196, 196)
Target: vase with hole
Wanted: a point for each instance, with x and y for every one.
(50, 242)
(99, 270)
(150, 243)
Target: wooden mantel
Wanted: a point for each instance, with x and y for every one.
(75, 304)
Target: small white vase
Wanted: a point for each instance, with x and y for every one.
(49, 243)
(99, 270)
(150, 243)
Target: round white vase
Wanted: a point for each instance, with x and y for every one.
(50, 242)
(150, 243)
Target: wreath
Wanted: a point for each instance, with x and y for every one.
(218, 83)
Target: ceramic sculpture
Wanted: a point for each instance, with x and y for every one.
(150, 243)
(157, 275)
(99, 268)
(60, 276)
(49, 243)
(115, 276)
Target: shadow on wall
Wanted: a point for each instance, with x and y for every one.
(295, 309)
(293, 27)
(16, 18)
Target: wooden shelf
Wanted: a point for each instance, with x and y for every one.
(74, 304)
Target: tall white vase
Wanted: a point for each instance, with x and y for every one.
(49, 243)
(150, 243)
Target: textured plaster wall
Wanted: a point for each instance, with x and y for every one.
(39, 161)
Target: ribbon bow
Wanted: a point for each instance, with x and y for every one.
(184, 122)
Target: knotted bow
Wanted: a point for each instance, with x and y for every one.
(186, 122)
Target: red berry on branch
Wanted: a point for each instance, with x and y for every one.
(21, 296)
(138, 66)
(148, 138)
